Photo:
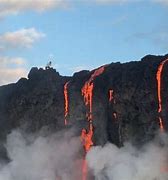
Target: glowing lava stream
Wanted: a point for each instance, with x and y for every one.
(84, 169)
(159, 78)
(87, 142)
(111, 95)
(87, 91)
(111, 99)
(66, 105)
(86, 137)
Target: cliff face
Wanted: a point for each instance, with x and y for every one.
(121, 101)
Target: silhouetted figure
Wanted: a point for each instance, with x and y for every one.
(48, 66)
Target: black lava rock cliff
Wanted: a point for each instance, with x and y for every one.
(132, 113)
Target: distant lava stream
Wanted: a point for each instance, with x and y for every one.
(159, 75)
(66, 106)
(111, 95)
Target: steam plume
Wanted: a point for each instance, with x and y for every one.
(52, 157)
(129, 163)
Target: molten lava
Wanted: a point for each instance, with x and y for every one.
(159, 79)
(84, 169)
(86, 136)
(112, 100)
(111, 95)
(87, 91)
(66, 105)
(161, 124)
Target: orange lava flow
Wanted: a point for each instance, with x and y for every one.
(161, 124)
(111, 95)
(84, 169)
(112, 100)
(66, 105)
(87, 91)
(159, 78)
(86, 136)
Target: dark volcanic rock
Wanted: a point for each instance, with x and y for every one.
(34, 102)
(133, 114)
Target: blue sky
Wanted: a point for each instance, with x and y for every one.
(78, 34)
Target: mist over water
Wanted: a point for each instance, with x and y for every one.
(58, 157)
(129, 163)
(53, 157)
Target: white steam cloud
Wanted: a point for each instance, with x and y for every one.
(129, 163)
(53, 157)
(58, 157)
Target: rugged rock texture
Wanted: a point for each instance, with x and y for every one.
(131, 114)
